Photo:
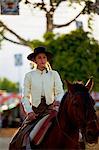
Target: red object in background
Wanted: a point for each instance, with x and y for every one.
(8, 97)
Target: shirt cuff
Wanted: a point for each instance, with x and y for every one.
(26, 105)
(59, 97)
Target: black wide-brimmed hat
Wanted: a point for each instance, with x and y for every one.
(37, 51)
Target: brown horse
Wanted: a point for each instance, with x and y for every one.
(75, 121)
(76, 113)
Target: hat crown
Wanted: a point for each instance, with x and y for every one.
(39, 49)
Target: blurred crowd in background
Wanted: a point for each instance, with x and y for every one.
(10, 114)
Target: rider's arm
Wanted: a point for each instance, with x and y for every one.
(26, 94)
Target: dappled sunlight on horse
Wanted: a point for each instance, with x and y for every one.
(75, 121)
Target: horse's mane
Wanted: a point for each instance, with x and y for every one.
(79, 87)
(82, 90)
(63, 99)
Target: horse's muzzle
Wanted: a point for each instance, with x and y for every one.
(91, 136)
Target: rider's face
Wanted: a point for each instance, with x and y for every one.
(41, 60)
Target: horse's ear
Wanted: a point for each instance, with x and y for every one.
(69, 86)
(89, 84)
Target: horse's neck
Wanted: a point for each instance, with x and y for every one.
(64, 121)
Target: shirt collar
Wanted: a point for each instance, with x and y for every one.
(41, 72)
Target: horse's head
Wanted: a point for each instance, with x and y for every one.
(80, 109)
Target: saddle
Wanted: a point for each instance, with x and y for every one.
(40, 129)
(31, 132)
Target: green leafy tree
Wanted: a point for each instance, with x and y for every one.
(8, 85)
(75, 55)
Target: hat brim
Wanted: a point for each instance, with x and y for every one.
(33, 55)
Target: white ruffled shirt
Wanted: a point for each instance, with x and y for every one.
(41, 83)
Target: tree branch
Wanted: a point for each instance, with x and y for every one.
(14, 42)
(58, 2)
(64, 25)
(22, 41)
(40, 5)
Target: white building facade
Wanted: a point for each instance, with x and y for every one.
(14, 63)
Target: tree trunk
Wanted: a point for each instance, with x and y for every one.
(49, 22)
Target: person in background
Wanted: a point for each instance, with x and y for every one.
(43, 88)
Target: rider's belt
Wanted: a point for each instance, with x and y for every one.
(42, 107)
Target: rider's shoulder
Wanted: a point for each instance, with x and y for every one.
(54, 72)
(29, 73)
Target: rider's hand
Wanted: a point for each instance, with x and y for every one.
(31, 116)
(56, 105)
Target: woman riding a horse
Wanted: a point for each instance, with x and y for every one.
(75, 121)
